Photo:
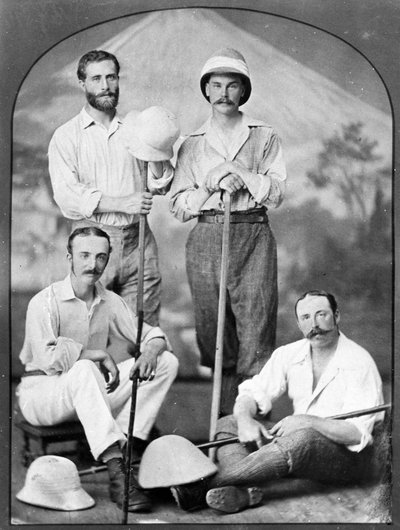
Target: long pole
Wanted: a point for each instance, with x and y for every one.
(235, 439)
(216, 394)
(140, 318)
(345, 416)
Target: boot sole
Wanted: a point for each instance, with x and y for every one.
(232, 499)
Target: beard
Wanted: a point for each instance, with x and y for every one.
(106, 101)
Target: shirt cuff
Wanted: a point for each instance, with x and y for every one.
(366, 437)
(264, 404)
(162, 182)
(89, 202)
(154, 333)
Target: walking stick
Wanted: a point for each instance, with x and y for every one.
(235, 439)
(216, 394)
(140, 315)
(345, 416)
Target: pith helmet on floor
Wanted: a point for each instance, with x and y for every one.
(53, 482)
(171, 461)
(150, 135)
(226, 61)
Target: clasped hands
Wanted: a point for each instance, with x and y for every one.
(252, 431)
(225, 176)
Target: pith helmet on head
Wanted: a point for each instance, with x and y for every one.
(172, 460)
(150, 135)
(226, 61)
(53, 482)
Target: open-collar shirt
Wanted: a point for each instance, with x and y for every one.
(59, 326)
(350, 382)
(87, 160)
(255, 145)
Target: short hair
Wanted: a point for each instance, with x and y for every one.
(95, 56)
(318, 292)
(87, 231)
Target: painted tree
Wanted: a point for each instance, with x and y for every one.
(350, 166)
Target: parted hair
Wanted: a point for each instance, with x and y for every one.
(87, 231)
(95, 56)
(319, 292)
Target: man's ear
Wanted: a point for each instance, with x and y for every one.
(337, 316)
(82, 84)
(69, 257)
(207, 89)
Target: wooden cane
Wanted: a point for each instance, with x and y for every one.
(235, 439)
(363, 412)
(217, 381)
(140, 317)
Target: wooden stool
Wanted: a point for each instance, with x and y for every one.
(64, 432)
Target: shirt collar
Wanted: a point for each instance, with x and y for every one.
(246, 121)
(341, 354)
(66, 291)
(87, 120)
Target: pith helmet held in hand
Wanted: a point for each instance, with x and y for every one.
(53, 482)
(151, 134)
(226, 61)
(171, 461)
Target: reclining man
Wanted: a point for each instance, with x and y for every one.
(71, 376)
(324, 374)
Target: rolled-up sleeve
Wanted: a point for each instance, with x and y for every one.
(267, 187)
(161, 185)
(75, 199)
(123, 324)
(43, 349)
(184, 184)
(365, 391)
(268, 385)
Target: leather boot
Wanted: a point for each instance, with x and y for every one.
(138, 501)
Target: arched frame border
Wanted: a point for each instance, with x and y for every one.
(29, 29)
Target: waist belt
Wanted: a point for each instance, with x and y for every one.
(251, 216)
(33, 372)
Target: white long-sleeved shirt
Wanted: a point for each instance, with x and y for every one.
(255, 145)
(350, 382)
(59, 326)
(87, 160)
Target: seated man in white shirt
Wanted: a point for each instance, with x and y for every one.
(324, 374)
(70, 375)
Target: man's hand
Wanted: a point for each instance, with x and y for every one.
(145, 366)
(111, 373)
(293, 423)
(251, 431)
(231, 183)
(214, 176)
(107, 366)
(136, 203)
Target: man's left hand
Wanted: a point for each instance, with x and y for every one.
(145, 366)
(292, 424)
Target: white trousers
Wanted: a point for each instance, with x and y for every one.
(81, 394)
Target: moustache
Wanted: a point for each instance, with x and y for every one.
(223, 100)
(317, 331)
(93, 271)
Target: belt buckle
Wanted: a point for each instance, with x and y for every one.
(219, 218)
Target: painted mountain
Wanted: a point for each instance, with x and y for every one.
(161, 55)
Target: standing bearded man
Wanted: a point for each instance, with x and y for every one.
(231, 153)
(96, 181)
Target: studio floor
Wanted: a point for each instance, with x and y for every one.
(186, 413)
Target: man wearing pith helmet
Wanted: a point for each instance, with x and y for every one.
(231, 152)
